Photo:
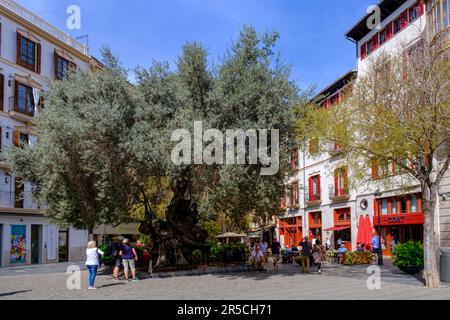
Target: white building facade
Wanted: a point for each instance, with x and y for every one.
(32, 53)
(319, 202)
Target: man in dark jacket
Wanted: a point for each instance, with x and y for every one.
(306, 254)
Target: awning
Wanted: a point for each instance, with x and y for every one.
(337, 228)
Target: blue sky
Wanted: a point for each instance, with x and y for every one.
(139, 31)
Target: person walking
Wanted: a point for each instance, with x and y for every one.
(393, 243)
(375, 246)
(129, 256)
(318, 255)
(114, 250)
(92, 262)
(275, 247)
(306, 254)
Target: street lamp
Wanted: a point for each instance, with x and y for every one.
(380, 249)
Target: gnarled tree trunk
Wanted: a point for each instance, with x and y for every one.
(179, 235)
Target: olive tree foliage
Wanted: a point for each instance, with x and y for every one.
(249, 89)
(397, 114)
(80, 166)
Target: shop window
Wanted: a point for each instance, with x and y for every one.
(414, 204)
(384, 206)
(403, 205)
(394, 205)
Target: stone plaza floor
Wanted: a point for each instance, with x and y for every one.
(335, 282)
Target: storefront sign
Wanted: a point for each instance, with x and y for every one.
(18, 244)
(400, 219)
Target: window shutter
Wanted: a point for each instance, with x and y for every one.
(336, 182)
(345, 173)
(38, 58)
(16, 138)
(55, 65)
(16, 94)
(420, 6)
(19, 37)
(318, 188)
(2, 91)
(374, 169)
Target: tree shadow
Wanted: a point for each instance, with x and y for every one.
(6, 294)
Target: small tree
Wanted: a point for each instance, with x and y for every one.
(396, 113)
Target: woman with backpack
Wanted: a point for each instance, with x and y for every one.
(129, 256)
(92, 262)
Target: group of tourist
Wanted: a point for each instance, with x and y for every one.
(260, 253)
(122, 254)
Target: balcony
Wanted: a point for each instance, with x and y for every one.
(6, 199)
(21, 114)
(44, 25)
(314, 201)
(338, 195)
(336, 150)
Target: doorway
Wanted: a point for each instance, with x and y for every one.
(63, 245)
(36, 244)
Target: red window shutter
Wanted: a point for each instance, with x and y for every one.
(2, 91)
(389, 31)
(318, 188)
(310, 188)
(38, 58)
(404, 19)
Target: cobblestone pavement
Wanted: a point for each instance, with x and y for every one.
(335, 282)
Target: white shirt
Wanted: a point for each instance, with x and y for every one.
(263, 247)
(257, 255)
(92, 256)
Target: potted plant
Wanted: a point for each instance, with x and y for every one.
(408, 257)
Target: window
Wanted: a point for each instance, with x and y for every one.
(401, 22)
(438, 17)
(294, 159)
(314, 146)
(19, 190)
(414, 204)
(62, 67)
(341, 182)
(294, 194)
(403, 205)
(23, 100)
(369, 47)
(283, 199)
(314, 188)
(384, 206)
(386, 33)
(28, 54)
(394, 205)
(342, 216)
(363, 51)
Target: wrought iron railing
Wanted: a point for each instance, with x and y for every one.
(44, 25)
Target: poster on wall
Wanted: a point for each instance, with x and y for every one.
(18, 244)
(51, 242)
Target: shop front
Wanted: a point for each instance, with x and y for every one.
(290, 231)
(401, 219)
(342, 230)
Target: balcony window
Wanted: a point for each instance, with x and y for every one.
(28, 53)
(62, 67)
(294, 159)
(341, 182)
(23, 100)
(314, 146)
(314, 188)
(438, 17)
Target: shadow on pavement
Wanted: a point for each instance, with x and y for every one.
(7, 294)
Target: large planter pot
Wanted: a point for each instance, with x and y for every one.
(411, 269)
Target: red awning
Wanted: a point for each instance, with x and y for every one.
(337, 228)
